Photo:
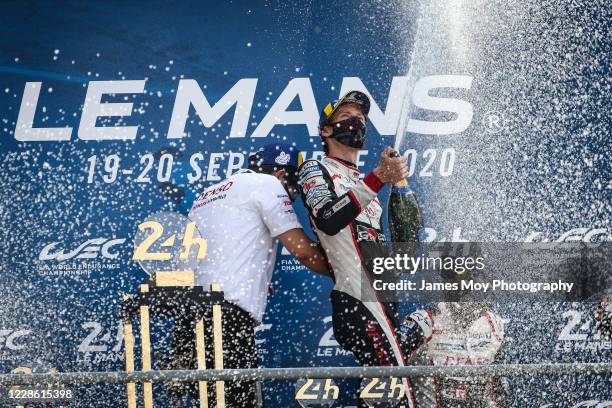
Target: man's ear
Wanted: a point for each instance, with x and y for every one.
(280, 174)
(327, 131)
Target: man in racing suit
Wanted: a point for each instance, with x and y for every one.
(345, 214)
(455, 333)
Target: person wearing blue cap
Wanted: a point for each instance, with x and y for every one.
(242, 219)
(280, 160)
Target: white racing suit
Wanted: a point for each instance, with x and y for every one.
(438, 337)
(345, 214)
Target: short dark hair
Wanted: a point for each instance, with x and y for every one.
(255, 164)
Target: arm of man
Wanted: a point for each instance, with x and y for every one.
(330, 212)
(305, 250)
(276, 210)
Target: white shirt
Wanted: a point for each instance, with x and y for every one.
(240, 218)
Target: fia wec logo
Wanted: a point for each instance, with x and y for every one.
(13, 340)
(594, 403)
(89, 249)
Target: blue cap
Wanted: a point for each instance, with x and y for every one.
(279, 154)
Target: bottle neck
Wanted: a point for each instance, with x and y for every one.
(401, 183)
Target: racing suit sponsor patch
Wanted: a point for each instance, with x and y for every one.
(369, 234)
(309, 169)
(337, 207)
(313, 181)
(316, 192)
(318, 204)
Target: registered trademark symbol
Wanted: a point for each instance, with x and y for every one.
(493, 121)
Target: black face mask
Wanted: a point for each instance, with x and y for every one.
(350, 132)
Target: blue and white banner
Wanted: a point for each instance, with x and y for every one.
(112, 111)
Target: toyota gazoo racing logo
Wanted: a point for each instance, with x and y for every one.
(13, 343)
(60, 259)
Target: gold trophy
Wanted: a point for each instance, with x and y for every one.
(168, 247)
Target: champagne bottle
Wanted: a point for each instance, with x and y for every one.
(404, 215)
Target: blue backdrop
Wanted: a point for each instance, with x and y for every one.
(64, 313)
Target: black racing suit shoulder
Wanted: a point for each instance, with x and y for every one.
(329, 212)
